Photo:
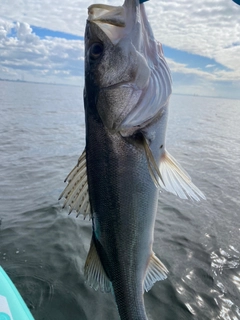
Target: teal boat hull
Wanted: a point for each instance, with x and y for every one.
(12, 306)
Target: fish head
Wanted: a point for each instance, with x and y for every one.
(121, 63)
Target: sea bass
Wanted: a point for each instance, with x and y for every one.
(116, 180)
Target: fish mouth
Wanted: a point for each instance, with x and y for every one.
(115, 21)
(110, 19)
(100, 13)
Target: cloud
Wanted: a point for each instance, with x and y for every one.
(200, 27)
(210, 65)
(195, 26)
(216, 82)
(5, 27)
(207, 28)
(24, 33)
(213, 75)
(34, 58)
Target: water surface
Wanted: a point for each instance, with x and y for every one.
(43, 249)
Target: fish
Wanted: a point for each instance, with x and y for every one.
(117, 178)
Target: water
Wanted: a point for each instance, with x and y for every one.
(43, 249)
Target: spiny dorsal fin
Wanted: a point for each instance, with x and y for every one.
(76, 192)
(156, 271)
(94, 273)
(170, 175)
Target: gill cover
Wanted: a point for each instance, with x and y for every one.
(132, 75)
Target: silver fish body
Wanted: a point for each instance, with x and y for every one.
(127, 89)
(123, 199)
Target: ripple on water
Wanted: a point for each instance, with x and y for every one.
(222, 259)
(225, 264)
(40, 290)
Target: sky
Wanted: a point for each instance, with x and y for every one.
(43, 41)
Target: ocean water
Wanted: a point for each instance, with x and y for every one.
(43, 249)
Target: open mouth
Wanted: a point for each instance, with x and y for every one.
(111, 19)
(100, 13)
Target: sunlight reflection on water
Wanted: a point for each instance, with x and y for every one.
(44, 250)
(222, 263)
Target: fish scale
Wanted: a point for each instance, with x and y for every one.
(118, 190)
(125, 161)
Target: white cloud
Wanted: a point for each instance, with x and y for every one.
(31, 57)
(209, 28)
(215, 75)
(210, 65)
(201, 27)
(182, 68)
(24, 33)
(5, 28)
(213, 83)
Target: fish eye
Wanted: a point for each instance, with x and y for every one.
(95, 50)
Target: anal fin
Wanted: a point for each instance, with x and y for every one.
(156, 271)
(94, 273)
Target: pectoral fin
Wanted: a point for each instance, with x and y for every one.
(94, 272)
(170, 175)
(156, 271)
(176, 180)
(76, 192)
(152, 166)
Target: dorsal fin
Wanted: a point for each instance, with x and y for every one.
(76, 192)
